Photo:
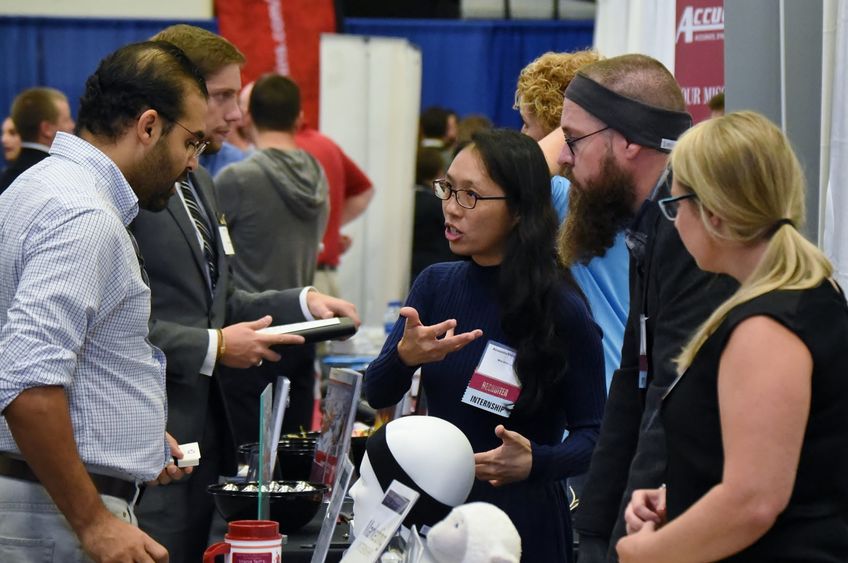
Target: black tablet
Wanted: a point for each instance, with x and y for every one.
(316, 331)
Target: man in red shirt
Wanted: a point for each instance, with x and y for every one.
(350, 193)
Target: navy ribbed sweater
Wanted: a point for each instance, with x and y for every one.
(467, 292)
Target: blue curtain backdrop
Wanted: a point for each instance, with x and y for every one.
(468, 66)
(471, 66)
(63, 52)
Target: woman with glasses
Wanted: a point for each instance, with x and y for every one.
(510, 298)
(757, 421)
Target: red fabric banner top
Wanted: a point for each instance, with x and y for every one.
(699, 53)
(280, 36)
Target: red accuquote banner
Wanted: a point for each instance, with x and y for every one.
(699, 53)
(280, 36)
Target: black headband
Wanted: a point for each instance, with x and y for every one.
(640, 123)
(427, 510)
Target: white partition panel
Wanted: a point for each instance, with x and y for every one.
(370, 98)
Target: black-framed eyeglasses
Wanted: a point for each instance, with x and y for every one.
(197, 146)
(465, 198)
(571, 142)
(670, 206)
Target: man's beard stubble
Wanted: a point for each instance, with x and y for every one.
(597, 211)
(153, 180)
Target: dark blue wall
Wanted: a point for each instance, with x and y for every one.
(471, 66)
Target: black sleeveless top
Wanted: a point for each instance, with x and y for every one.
(814, 527)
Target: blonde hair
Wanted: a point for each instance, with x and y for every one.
(743, 170)
(542, 83)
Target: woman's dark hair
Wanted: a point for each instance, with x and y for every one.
(140, 76)
(530, 276)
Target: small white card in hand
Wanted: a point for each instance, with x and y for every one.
(191, 455)
(382, 525)
(494, 387)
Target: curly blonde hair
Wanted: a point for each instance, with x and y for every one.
(541, 84)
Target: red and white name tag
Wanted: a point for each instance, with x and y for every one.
(494, 386)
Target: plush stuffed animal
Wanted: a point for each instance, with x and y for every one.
(477, 532)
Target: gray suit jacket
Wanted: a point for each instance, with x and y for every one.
(182, 310)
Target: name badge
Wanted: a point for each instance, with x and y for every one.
(226, 242)
(643, 351)
(494, 386)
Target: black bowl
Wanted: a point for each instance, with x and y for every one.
(294, 458)
(291, 510)
(289, 444)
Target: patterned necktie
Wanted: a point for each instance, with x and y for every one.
(200, 223)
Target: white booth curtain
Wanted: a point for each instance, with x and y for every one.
(630, 26)
(370, 95)
(835, 135)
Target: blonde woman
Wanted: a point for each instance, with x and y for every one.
(757, 422)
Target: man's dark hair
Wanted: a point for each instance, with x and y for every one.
(137, 77)
(31, 107)
(274, 103)
(429, 165)
(434, 122)
(716, 103)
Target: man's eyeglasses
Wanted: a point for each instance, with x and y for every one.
(670, 206)
(197, 146)
(465, 198)
(571, 142)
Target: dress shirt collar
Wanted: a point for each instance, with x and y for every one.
(111, 178)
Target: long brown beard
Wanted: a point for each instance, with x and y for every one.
(597, 211)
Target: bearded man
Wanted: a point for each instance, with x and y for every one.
(620, 118)
(601, 270)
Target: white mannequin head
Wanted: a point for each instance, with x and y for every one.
(435, 456)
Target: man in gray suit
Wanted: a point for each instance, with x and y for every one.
(199, 319)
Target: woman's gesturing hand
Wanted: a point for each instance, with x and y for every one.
(423, 344)
(509, 462)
